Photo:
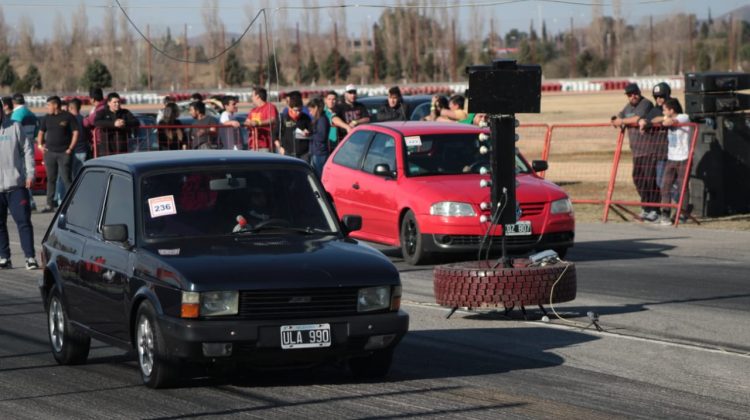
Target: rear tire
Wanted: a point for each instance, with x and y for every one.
(157, 369)
(410, 236)
(373, 366)
(68, 346)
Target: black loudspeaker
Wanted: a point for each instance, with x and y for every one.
(699, 104)
(721, 167)
(505, 88)
(716, 82)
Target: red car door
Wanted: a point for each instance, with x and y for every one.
(343, 170)
(378, 198)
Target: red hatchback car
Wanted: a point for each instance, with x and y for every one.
(417, 186)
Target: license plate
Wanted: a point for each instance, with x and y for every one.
(519, 229)
(305, 336)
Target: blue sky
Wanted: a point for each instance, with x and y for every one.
(507, 14)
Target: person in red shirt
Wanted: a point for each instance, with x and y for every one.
(264, 117)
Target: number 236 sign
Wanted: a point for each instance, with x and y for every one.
(162, 206)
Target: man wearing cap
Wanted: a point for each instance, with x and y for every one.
(349, 113)
(644, 161)
(657, 136)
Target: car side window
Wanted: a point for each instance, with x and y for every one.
(119, 207)
(421, 111)
(382, 150)
(84, 208)
(350, 154)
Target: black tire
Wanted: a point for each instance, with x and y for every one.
(410, 237)
(373, 366)
(69, 347)
(478, 285)
(157, 369)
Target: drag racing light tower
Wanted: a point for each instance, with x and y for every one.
(501, 90)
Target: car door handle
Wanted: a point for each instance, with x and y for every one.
(355, 186)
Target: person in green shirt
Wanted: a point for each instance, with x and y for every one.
(330, 103)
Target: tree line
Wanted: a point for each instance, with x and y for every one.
(404, 45)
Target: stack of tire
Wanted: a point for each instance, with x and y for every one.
(479, 285)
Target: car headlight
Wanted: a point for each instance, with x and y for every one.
(452, 209)
(196, 304)
(374, 298)
(561, 206)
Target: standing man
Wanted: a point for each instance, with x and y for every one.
(16, 175)
(350, 113)
(644, 162)
(116, 124)
(89, 123)
(319, 137)
(333, 132)
(230, 135)
(394, 109)
(202, 137)
(81, 149)
(264, 117)
(29, 123)
(58, 134)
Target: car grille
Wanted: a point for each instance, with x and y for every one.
(532, 209)
(294, 303)
(466, 240)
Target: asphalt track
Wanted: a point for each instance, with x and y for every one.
(674, 305)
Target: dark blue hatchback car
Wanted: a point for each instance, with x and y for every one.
(215, 257)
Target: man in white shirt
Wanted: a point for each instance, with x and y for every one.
(678, 152)
(230, 136)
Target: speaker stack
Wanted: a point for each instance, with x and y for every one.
(721, 162)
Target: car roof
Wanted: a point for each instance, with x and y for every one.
(417, 128)
(140, 162)
(380, 99)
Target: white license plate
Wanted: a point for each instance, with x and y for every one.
(305, 336)
(519, 229)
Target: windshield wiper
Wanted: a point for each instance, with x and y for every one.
(305, 231)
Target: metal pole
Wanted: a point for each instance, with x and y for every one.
(186, 81)
(148, 57)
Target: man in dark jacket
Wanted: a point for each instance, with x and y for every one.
(58, 135)
(394, 109)
(116, 125)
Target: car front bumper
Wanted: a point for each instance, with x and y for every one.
(468, 243)
(258, 342)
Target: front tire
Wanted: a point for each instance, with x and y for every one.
(157, 370)
(412, 248)
(69, 347)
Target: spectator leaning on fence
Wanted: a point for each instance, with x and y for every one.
(644, 161)
(173, 136)
(202, 136)
(394, 108)
(230, 134)
(330, 102)
(16, 176)
(97, 105)
(116, 125)
(350, 113)
(678, 152)
(264, 117)
(658, 138)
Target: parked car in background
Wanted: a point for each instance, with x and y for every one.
(39, 185)
(417, 186)
(215, 257)
(418, 105)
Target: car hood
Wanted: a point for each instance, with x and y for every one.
(465, 188)
(267, 262)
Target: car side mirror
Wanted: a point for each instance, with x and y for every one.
(539, 165)
(351, 222)
(382, 169)
(115, 233)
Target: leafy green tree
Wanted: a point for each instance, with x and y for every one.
(234, 71)
(704, 59)
(395, 70)
(96, 75)
(8, 75)
(311, 71)
(329, 67)
(31, 81)
(589, 64)
(429, 67)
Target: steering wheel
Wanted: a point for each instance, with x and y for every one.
(269, 222)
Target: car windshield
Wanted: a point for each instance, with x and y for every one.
(217, 202)
(448, 154)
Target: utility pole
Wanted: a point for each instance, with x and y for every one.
(260, 57)
(572, 50)
(731, 42)
(454, 59)
(299, 56)
(415, 54)
(691, 29)
(223, 57)
(148, 57)
(651, 43)
(375, 58)
(186, 80)
(336, 50)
